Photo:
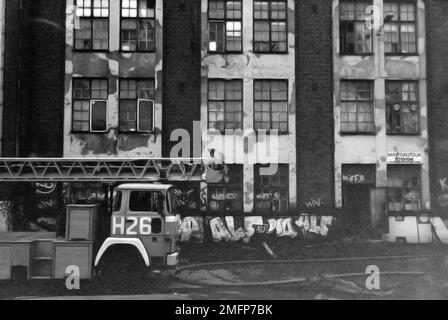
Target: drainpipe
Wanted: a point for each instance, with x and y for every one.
(2, 68)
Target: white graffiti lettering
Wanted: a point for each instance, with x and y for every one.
(224, 229)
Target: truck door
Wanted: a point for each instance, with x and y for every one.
(144, 217)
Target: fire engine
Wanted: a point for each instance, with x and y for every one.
(144, 214)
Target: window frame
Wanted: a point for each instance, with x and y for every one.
(270, 20)
(355, 22)
(226, 187)
(137, 100)
(419, 187)
(270, 105)
(91, 100)
(241, 82)
(402, 103)
(372, 108)
(399, 23)
(139, 21)
(92, 18)
(225, 20)
(271, 189)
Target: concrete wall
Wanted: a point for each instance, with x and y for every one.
(113, 65)
(249, 66)
(373, 149)
(2, 49)
(182, 68)
(315, 120)
(437, 39)
(33, 78)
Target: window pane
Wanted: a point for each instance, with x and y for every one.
(216, 9)
(404, 188)
(146, 112)
(129, 35)
(216, 36)
(128, 116)
(147, 35)
(99, 115)
(99, 89)
(83, 35)
(81, 89)
(100, 34)
(234, 10)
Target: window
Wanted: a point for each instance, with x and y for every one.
(271, 105)
(403, 188)
(355, 37)
(90, 105)
(270, 34)
(225, 104)
(93, 31)
(402, 107)
(225, 26)
(227, 195)
(146, 201)
(400, 33)
(137, 105)
(272, 191)
(138, 25)
(117, 202)
(357, 107)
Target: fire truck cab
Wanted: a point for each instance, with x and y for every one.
(145, 217)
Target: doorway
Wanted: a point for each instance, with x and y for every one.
(356, 205)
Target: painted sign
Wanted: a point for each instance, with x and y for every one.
(235, 229)
(404, 158)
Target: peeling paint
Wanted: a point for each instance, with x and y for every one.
(113, 65)
(378, 67)
(249, 66)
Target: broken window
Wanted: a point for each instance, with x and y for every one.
(227, 194)
(355, 36)
(402, 107)
(90, 105)
(272, 191)
(403, 188)
(138, 25)
(225, 26)
(357, 107)
(93, 30)
(271, 105)
(270, 26)
(137, 105)
(225, 104)
(400, 33)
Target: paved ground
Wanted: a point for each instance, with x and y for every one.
(425, 264)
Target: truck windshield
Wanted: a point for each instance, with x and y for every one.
(146, 201)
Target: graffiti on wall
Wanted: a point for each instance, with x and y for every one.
(314, 203)
(443, 198)
(235, 229)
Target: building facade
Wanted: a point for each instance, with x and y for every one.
(248, 103)
(380, 99)
(113, 79)
(351, 115)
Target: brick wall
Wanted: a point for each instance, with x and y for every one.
(437, 50)
(182, 67)
(315, 120)
(34, 45)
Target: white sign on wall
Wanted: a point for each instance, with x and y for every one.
(404, 158)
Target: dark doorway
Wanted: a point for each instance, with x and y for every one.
(356, 207)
